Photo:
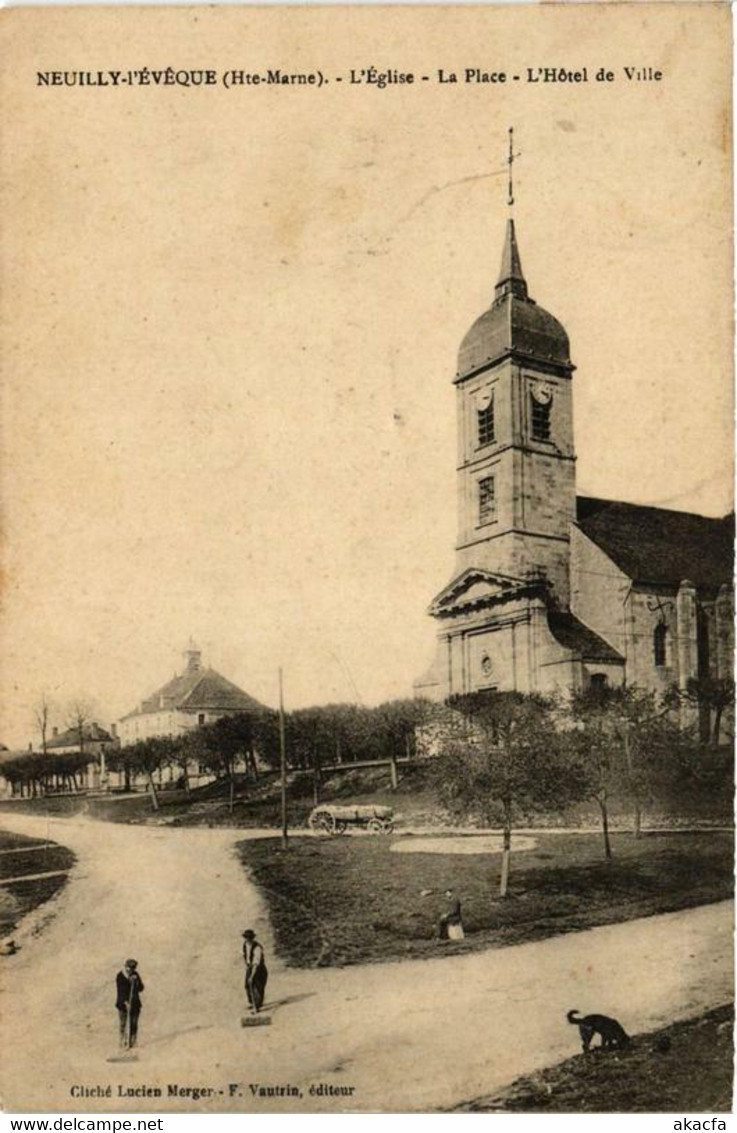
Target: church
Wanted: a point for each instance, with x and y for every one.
(551, 590)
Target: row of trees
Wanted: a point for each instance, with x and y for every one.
(316, 738)
(38, 773)
(322, 736)
(500, 756)
(505, 756)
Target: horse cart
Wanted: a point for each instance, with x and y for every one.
(329, 819)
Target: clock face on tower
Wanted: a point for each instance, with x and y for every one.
(542, 394)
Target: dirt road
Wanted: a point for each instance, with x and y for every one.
(413, 1036)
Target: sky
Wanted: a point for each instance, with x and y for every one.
(231, 319)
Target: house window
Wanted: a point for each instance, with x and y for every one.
(541, 416)
(485, 419)
(487, 500)
(201, 719)
(660, 645)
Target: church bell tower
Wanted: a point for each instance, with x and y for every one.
(516, 462)
(504, 621)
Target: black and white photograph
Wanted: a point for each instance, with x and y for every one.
(366, 741)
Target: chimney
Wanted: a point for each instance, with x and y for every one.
(193, 657)
(114, 731)
(54, 733)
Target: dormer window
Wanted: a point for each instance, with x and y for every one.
(485, 422)
(541, 402)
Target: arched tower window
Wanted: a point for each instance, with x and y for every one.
(541, 400)
(660, 645)
(485, 422)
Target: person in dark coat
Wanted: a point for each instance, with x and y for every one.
(256, 970)
(450, 926)
(128, 985)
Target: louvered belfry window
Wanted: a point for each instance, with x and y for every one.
(485, 419)
(487, 500)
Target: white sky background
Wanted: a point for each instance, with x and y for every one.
(234, 318)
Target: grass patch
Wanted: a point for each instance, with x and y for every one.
(684, 1068)
(19, 897)
(350, 900)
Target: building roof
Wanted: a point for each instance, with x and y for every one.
(92, 733)
(651, 544)
(198, 690)
(7, 756)
(513, 324)
(574, 635)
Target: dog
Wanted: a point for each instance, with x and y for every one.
(613, 1035)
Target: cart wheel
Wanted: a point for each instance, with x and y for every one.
(388, 826)
(374, 826)
(321, 822)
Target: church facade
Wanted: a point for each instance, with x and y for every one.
(551, 590)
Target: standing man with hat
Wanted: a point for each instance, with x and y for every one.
(128, 985)
(256, 970)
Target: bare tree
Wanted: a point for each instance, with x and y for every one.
(42, 710)
(79, 720)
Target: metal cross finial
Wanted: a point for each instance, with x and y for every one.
(510, 161)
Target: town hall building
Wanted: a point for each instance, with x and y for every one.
(552, 590)
(191, 699)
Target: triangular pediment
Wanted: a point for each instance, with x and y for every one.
(476, 587)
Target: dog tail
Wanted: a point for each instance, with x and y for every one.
(571, 1016)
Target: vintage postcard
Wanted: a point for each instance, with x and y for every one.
(367, 596)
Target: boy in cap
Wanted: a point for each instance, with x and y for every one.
(129, 986)
(256, 970)
(450, 926)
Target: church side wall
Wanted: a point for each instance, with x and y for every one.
(648, 607)
(599, 591)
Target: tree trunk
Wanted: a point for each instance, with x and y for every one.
(605, 827)
(231, 793)
(717, 725)
(637, 825)
(506, 849)
(154, 795)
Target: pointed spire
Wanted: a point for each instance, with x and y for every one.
(511, 280)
